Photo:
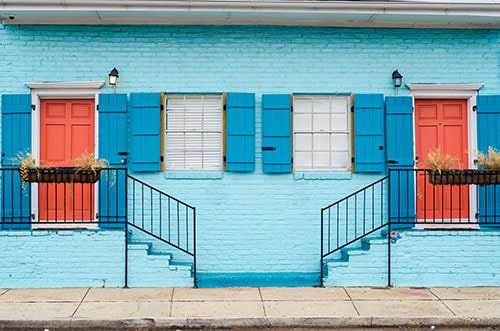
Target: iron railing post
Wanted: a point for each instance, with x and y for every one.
(126, 254)
(321, 249)
(195, 280)
(126, 226)
(389, 230)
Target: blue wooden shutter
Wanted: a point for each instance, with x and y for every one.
(276, 133)
(16, 137)
(240, 132)
(145, 132)
(113, 130)
(369, 133)
(399, 129)
(488, 135)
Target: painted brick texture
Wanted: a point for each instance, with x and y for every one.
(423, 258)
(250, 222)
(46, 258)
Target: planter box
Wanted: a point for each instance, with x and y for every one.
(464, 177)
(59, 175)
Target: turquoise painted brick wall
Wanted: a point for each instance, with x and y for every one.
(50, 258)
(251, 224)
(444, 258)
(423, 258)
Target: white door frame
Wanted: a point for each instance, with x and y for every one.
(60, 90)
(453, 91)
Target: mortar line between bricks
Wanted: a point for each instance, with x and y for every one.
(352, 301)
(442, 302)
(262, 302)
(81, 301)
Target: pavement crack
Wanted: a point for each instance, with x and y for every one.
(443, 303)
(80, 303)
(352, 301)
(171, 302)
(262, 302)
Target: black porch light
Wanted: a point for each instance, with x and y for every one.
(113, 77)
(397, 79)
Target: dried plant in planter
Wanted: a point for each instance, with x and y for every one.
(88, 161)
(26, 163)
(438, 161)
(490, 161)
(86, 170)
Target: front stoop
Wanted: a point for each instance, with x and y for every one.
(147, 268)
(365, 265)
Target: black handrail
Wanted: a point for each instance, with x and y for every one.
(351, 218)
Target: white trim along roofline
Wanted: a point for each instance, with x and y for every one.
(405, 14)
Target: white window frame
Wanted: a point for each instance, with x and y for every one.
(332, 166)
(204, 162)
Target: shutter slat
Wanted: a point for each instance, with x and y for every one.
(240, 132)
(369, 133)
(276, 133)
(145, 131)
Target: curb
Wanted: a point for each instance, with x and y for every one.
(251, 323)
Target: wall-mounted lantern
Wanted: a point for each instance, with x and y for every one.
(113, 77)
(397, 79)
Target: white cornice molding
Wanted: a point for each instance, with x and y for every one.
(63, 90)
(444, 90)
(65, 85)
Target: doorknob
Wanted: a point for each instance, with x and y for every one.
(268, 148)
(416, 159)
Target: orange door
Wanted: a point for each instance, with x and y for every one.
(66, 131)
(441, 123)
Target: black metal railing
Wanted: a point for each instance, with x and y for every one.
(57, 202)
(163, 217)
(353, 218)
(420, 196)
(408, 198)
(116, 200)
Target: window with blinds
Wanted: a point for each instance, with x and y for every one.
(193, 132)
(321, 132)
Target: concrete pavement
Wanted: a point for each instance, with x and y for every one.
(251, 308)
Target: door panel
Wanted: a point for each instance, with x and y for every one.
(66, 131)
(441, 123)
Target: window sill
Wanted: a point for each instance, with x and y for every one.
(193, 174)
(314, 175)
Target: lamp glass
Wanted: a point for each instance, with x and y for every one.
(112, 80)
(397, 82)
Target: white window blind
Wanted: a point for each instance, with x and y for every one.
(321, 132)
(194, 132)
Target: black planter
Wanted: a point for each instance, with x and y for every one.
(464, 177)
(59, 175)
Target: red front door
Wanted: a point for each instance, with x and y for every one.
(66, 131)
(441, 123)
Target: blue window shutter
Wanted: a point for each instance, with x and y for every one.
(113, 127)
(488, 134)
(369, 154)
(399, 130)
(145, 132)
(16, 137)
(113, 130)
(276, 133)
(240, 132)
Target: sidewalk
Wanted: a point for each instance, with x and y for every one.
(251, 308)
